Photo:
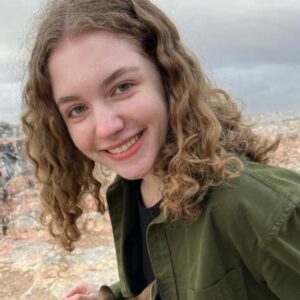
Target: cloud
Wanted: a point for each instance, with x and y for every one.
(240, 32)
(264, 87)
(250, 48)
(15, 18)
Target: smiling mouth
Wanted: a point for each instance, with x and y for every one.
(125, 146)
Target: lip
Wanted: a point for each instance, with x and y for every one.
(132, 150)
(122, 143)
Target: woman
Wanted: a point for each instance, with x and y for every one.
(196, 213)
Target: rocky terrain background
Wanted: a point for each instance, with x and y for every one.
(32, 266)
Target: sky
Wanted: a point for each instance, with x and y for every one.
(250, 48)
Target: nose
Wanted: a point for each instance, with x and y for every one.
(108, 122)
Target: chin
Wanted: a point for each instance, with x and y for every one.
(135, 175)
(131, 176)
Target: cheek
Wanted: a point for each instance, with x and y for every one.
(161, 113)
(152, 107)
(81, 138)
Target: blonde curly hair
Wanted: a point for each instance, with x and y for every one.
(206, 135)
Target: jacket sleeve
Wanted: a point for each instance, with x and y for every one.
(280, 256)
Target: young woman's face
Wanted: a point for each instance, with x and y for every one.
(111, 98)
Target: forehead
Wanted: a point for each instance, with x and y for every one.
(98, 48)
(93, 56)
(103, 41)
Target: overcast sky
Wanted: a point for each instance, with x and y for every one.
(251, 48)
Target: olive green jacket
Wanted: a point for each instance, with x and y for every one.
(245, 244)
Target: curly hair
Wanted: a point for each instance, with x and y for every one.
(207, 134)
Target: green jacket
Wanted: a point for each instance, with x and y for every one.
(245, 244)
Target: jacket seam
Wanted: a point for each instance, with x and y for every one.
(278, 223)
(268, 184)
(274, 232)
(172, 265)
(284, 215)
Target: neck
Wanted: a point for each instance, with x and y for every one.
(151, 188)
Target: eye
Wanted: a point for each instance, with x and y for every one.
(77, 110)
(123, 87)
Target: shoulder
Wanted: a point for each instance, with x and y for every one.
(258, 202)
(259, 213)
(258, 186)
(275, 180)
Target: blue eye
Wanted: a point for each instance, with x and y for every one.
(77, 110)
(123, 87)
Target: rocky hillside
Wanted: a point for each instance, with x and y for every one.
(27, 253)
(287, 127)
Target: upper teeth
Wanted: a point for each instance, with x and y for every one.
(125, 146)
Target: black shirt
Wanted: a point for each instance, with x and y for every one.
(146, 215)
(136, 258)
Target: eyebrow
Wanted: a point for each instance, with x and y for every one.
(111, 78)
(66, 99)
(118, 73)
